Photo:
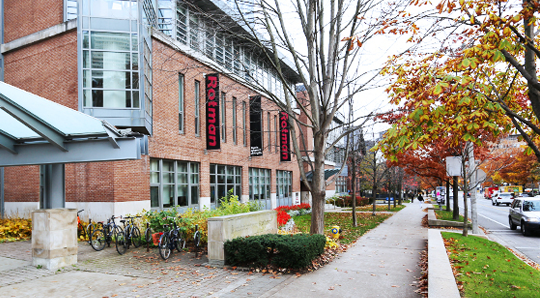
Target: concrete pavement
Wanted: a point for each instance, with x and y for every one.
(382, 263)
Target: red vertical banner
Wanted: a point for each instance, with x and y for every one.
(212, 111)
(255, 125)
(284, 137)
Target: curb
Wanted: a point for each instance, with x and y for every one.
(441, 280)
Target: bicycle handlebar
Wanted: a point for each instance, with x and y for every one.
(79, 211)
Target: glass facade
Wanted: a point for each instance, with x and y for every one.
(174, 184)
(259, 187)
(284, 188)
(115, 60)
(191, 28)
(222, 179)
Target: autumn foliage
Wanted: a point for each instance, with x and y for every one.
(15, 229)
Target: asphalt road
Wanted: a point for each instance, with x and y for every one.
(495, 220)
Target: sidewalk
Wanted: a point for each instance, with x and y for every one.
(382, 263)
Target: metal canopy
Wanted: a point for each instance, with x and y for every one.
(327, 174)
(34, 130)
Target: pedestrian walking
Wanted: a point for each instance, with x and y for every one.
(420, 200)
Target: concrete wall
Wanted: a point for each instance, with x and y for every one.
(223, 228)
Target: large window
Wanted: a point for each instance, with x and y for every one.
(181, 103)
(276, 131)
(259, 187)
(110, 54)
(284, 188)
(223, 120)
(197, 109)
(110, 69)
(222, 179)
(174, 184)
(341, 184)
(244, 128)
(234, 126)
(269, 132)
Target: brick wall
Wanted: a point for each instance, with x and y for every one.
(21, 184)
(47, 69)
(21, 19)
(168, 143)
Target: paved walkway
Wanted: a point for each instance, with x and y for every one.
(382, 263)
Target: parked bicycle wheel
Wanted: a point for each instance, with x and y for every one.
(89, 230)
(180, 242)
(98, 240)
(148, 235)
(136, 237)
(164, 246)
(197, 240)
(121, 243)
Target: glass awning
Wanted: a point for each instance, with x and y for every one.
(35, 130)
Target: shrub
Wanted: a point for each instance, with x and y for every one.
(346, 201)
(284, 251)
(191, 217)
(13, 229)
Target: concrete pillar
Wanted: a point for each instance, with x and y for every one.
(54, 238)
(54, 190)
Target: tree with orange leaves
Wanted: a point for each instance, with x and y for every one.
(523, 171)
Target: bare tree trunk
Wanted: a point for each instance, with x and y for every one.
(455, 214)
(447, 195)
(318, 187)
(354, 220)
(465, 190)
(374, 195)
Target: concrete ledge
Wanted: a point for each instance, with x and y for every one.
(441, 281)
(39, 36)
(223, 228)
(434, 222)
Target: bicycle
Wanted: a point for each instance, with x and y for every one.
(131, 235)
(105, 235)
(171, 239)
(197, 239)
(81, 231)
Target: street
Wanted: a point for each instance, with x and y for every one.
(495, 220)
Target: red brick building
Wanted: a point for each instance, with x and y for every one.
(144, 69)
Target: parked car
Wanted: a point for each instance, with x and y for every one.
(502, 198)
(525, 212)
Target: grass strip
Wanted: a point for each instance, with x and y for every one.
(365, 221)
(377, 208)
(487, 269)
(447, 215)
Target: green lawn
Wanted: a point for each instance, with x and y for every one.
(366, 222)
(447, 215)
(378, 208)
(488, 269)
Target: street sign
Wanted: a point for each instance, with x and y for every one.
(480, 176)
(453, 166)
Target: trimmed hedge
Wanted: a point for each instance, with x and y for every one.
(284, 251)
